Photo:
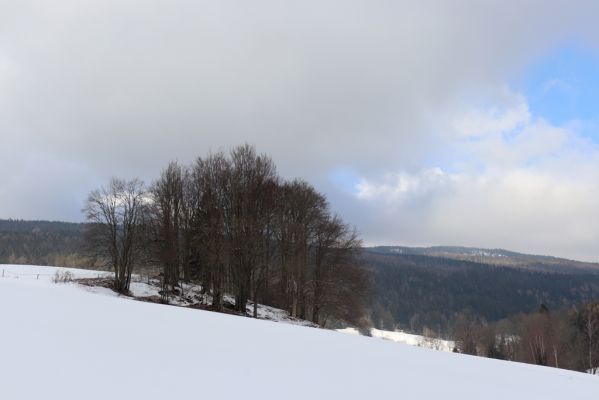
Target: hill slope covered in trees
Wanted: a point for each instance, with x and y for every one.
(419, 290)
(41, 243)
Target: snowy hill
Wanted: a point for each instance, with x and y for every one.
(61, 341)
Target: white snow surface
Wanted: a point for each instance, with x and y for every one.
(406, 338)
(62, 341)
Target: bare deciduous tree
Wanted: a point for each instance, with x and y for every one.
(588, 324)
(246, 203)
(116, 227)
(167, 216)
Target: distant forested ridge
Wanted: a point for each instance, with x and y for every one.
(42, 243)
(418, 291)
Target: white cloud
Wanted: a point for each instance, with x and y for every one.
(557, 84)
(509, 114)
(533, 188)
(400, 186)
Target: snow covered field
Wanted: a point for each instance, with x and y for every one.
(63, 341)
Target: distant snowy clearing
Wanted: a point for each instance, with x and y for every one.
(405, 338)
(59, 341)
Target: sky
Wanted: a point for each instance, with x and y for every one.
(425, 123)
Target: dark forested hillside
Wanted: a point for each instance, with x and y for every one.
(420, 291)
(41, 242)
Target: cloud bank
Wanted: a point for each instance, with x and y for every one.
(412, 100)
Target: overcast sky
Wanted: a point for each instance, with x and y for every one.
(426, 122)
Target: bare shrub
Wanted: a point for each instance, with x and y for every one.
(429, 340)
(62, 277)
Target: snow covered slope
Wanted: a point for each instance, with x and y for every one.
(59, 341)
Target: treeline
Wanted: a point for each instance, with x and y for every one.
(41, 243)
(416, 292)
(231, 223)
(563, 339)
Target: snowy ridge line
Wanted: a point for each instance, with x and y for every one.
(32, 274)
(17, 271)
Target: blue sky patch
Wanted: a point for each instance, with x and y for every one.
(564, 87)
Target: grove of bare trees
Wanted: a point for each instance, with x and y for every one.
(230, 223)
(562, 339)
